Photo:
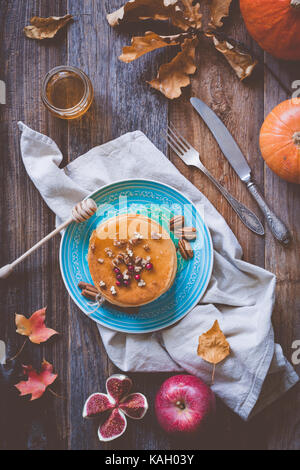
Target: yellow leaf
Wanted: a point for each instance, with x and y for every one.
(213, 346)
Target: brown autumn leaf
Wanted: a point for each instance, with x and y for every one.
(46, 28)
(242, 62)
(213, 346)
(140, 45)
(190, 16)
(175, 75)
(135, 10)
(186, 15)
(219, 9)
(182, 13)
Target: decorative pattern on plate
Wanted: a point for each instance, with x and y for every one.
(157, 201)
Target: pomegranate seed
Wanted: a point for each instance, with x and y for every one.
(117, 271)
(119, 277)
(118, 283)
(137, 277)
(126, 283)
(149, 266)
(131, 268)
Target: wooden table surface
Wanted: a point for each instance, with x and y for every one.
(124, 102)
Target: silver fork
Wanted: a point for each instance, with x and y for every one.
(191, 157)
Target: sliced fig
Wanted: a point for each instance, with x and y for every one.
(113, 427)
(97, 404)
(135, 405)
(118, 386)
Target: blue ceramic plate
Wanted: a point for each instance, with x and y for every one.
(159, 202)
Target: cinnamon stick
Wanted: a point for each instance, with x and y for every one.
(89, 295)
(86, 285)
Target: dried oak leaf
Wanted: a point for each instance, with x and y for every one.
(213, 346)
(219, 9)
(140, 45)
(34, 327)
(241, 61)
(135, 10)
(36, 383)
(46, 28)
(182, 13)
(188, 17)
(173, 76)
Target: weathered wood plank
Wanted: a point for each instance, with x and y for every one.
(122, 103)
(285, 200)
(25, 219)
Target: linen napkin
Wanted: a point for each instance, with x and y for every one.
(240, 296)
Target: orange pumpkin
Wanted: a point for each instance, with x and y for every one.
(280, 140)
(275, 25)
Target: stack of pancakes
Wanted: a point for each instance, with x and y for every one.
(135, 241)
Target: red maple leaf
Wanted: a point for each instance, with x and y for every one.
(36, 383)
(34, 327)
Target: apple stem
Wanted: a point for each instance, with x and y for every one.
(213, 375)
(295, 3)
(180, 405)
(296, 137)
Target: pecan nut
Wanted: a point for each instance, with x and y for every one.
(177, 222)
(188, 233)
(185, 249)
(118, 260)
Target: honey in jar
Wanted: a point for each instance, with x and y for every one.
(67, 92)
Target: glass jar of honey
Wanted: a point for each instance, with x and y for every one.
(67, 92)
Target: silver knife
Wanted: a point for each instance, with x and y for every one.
(239, 163)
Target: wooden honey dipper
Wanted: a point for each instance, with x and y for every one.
(80, 213)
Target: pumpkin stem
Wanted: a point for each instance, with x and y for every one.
(295, 3)
(296, 138)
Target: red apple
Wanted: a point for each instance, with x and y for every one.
(183, 404)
